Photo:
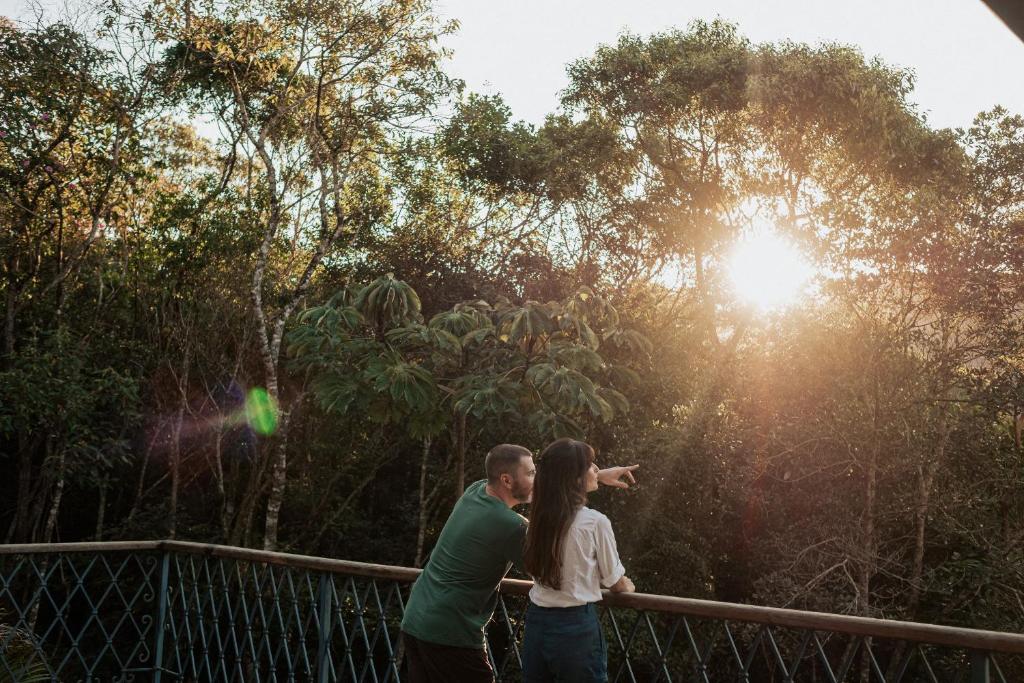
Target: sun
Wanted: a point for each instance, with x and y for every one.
(768, 272)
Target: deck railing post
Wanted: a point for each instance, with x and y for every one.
(324, 618)
(161, 617)
(980, 668)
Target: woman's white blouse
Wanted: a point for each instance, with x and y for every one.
(589, 560)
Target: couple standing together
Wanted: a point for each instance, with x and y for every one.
(567, 548)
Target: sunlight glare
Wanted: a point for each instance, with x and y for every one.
(768, 272)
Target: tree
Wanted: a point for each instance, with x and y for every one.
(315, 110)
(536, 366)
(70, 152)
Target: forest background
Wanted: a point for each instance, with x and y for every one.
(271, 277)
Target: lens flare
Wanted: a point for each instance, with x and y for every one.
(261, 411)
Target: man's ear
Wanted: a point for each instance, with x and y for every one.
(506, 480)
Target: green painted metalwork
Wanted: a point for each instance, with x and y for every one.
(170, 611)
(161, 618)
(324, 629)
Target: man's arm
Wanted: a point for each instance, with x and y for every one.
(619, 477)
(513, 547)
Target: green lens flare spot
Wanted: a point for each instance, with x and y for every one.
(261, 411)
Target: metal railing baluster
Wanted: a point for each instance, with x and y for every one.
(161, 617)
(980, 670)
(324, 617)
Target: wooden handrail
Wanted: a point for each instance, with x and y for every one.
(967, 638)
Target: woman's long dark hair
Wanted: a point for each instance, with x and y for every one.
(558, 492)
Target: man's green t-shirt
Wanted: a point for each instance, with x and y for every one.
(455, 596)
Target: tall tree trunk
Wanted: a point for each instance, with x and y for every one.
(271, 327)
(10, 309)
(268, 350)
(421, 530)
(868, 540)
(42, 493)
(58, 495)
(278, 478)
(241, 529)
(925, 481)
(175, 461)
(9, 326)
(19, 530)
(140, 487)
(226, 509)
(101, 509)
(868, 549)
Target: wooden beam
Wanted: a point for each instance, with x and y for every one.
(1011, 12)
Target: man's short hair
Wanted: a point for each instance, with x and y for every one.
(504, 459)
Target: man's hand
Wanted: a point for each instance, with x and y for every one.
(619, 477)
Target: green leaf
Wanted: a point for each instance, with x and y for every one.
(387, 301)
(576, 357)
(550, 425)
(335, 392)
(463, 318)
(487, 397)
(615, 399)
(528, 322)
(621, 376)
(411, 387)
(425, 337)
(629, 340)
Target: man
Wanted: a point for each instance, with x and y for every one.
(454, 598)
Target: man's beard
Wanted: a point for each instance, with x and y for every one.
(521, 493)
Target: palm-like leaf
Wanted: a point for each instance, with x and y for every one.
(321, 331)
(336, 391)
(590, 307)
(408, 384)
(529, 322)
(555, 425)
(487, 396)
(478, 336)
(629, 340)
(392, 376)
(463, 318)
(422, 336)
(565, 387)
(24, 661)
(616, 400)
(387, 301)
(576, 357)
(576, 325)
(623, 377)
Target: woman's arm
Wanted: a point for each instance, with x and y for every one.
(619, 477)
(623, 585)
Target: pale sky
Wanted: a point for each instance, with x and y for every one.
(965, 59)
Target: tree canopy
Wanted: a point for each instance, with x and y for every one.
(272, 277)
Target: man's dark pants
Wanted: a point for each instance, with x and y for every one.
(433, 663)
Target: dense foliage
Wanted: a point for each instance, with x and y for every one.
(270, 277)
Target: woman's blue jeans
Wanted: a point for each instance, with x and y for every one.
(564, 644)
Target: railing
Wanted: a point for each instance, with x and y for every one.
(173, 611)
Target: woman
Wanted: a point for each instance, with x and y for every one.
(570, 552)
